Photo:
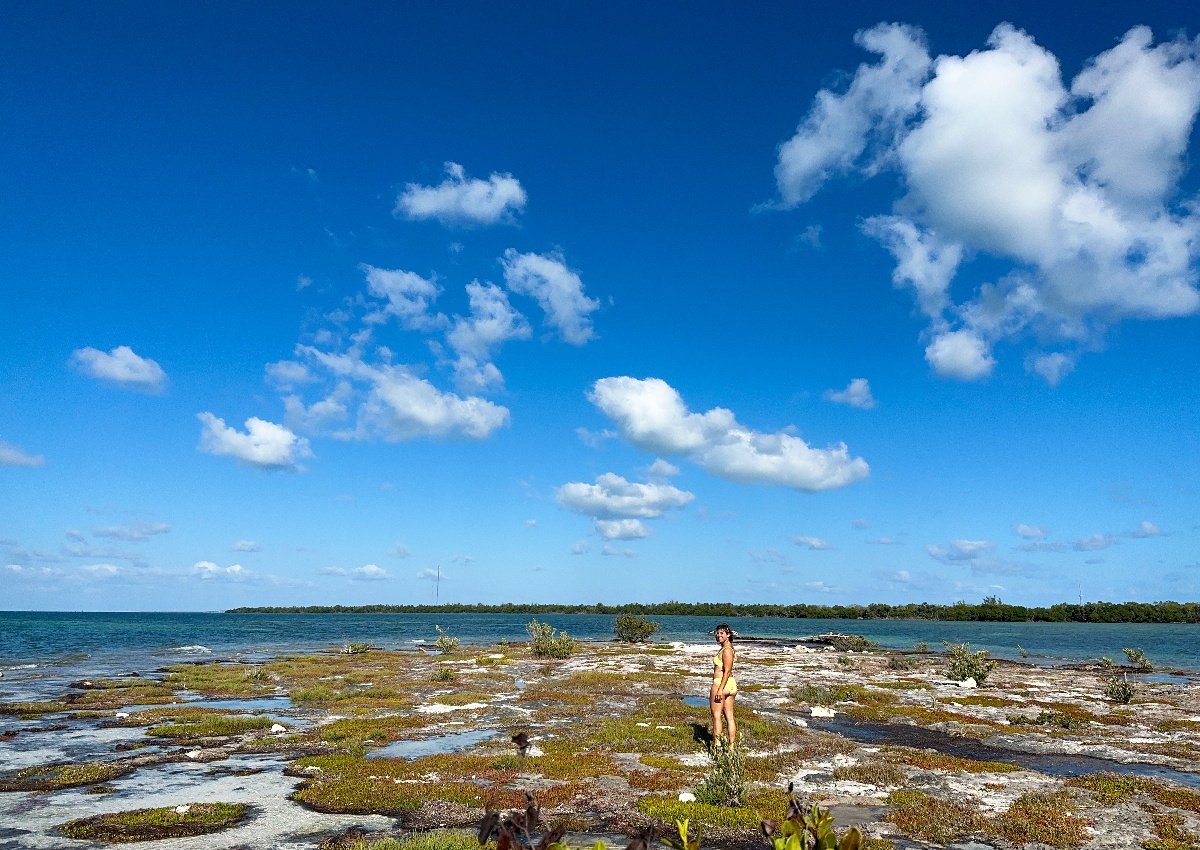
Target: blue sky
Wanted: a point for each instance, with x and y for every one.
(619, 302)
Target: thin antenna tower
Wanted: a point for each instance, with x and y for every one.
(437, 587)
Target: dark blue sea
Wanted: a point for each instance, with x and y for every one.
(48, 648)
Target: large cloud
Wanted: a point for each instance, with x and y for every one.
(462, 200)
(263, 445)
(557, 289)
(651, 414)
(1076, 187)
(394, 404)
(120, 367)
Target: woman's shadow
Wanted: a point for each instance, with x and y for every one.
(701, 734)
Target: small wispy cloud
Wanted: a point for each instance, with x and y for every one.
(135, 533)
(245, 546)
(11, 455)
(856, 394)
(814, 543)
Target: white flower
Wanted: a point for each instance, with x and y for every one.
(183, 810)
(687, 797)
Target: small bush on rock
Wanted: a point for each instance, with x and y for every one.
(964, 664)
(547, 642)
(634, 628)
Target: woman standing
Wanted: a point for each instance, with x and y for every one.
(724, 686)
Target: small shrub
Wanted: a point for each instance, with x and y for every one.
(920, 646)
(1119, 690)
(844, 661)
(964, 664)
(444, 674)
(1138, 659)
(358, 648)
(547, 642)
(445, 643)
(852, 643)
(900, 662)
(933, 818)
(725, 784)
(634, 628)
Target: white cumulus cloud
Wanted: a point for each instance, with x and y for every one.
(463, 200)
(621, 529)
(11, 455)
(999, 156)
(857, 394)
(207, 571)
(491, 323)
(557, 289)
(1146, 529)
(612, 497)
(395, 405)
(263, 445)
(651, 414)
(245, 546)
(120, 367)
(409, 296)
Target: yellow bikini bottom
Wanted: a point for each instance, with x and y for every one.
(730, 685)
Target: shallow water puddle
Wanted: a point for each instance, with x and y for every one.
(433, 746)
(1053, 764)
(698, 702)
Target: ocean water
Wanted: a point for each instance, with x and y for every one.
(48, 648)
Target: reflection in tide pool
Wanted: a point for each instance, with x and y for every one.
(432, 746)
(698, 702)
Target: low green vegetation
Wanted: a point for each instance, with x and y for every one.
(879, 774)
(934, 818)
(218, 726)
(438, 839)
(851, 643)
(634, 628)
(725, 784)
(53, 777)
(1113, 788)
(157, 824)
(547, 642)
(963, 664)
(1045, 818)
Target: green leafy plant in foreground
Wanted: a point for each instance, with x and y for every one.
(633, 628)
(964, 664)
(548, 642)
(811, 830)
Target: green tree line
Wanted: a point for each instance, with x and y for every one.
(991, 609)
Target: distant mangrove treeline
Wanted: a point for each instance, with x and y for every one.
(989, 610)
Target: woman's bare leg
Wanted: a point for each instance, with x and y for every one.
(716, 708)
(727, 710)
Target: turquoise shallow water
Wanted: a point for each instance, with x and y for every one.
(94, 644)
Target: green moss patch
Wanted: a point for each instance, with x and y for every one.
(52, 777)
(932, 760)
(757, 806)
(879, 774)
(354, 785)
(438, 839)
(934, 818)
(31, 709)
(157, 824)
(218, 726)
(1110, 789)
(1041, 817)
